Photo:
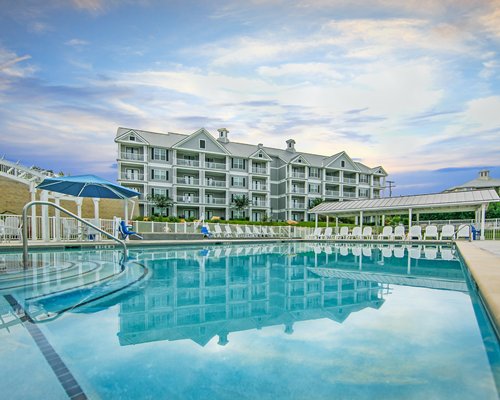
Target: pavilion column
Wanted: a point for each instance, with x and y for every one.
(483, 220)
(361, 220)
(383, 220)
(316, 220)
(409, 219)
(96, 216)
(327, 220)
(336, 225)
(79, 203)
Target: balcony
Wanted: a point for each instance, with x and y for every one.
(377, 183)
(215, 200)
(259, 203)
(334, 193)
(215, 183)
(188, 163)
(350, 180)
(132, 156)
(300, 175)
(184, 180)
(349, 194)
(332, 178)
(215, 165)
(299, 206)
(186, 199)
(132, 176)
(298, 190)
(259, 170)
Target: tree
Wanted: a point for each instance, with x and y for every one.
(161, 201)
(317, 201)
(240, 203)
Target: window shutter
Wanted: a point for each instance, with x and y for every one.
(166, 155)
(152, 174)
(232, 181)
(244, 182)
(152, 153)
(244, 164)
(232, 162)
(166, 175)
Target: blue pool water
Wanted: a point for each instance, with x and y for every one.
(268, 321)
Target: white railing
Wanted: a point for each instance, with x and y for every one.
(215, 200)
(349, 194)
(188, 199)
(335, 193)
(259, 187)
(184, 180)
(298, 190)
(349, 180)
(259, 203)
(133, 156)
(259, 171)
(131, 176)
(332, 178)
(214, 165)
(215, 182)
(188, 163)
(298, 175)
(298, 205)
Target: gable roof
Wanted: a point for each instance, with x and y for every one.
(201, 131)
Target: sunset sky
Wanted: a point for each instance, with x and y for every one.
(410, 85)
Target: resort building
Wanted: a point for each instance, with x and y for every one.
(202, 175)
(483, 181)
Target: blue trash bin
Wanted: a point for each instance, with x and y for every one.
(474, 232)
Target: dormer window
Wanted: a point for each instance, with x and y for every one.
(299, 160)
(342, 164)
(260, 155)
(132, 138)
(202, 144)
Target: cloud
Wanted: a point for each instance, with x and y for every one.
(76, 42)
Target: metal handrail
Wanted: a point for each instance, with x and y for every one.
(48, 203)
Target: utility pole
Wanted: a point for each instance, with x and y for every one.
(391, 185)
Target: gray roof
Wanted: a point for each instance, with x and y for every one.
(478, 183)
(458, 201)
(243, 149)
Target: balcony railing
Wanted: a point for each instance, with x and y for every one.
(131, 176)
(257, 170)
(349, 194)
(377, 183)
(188, 163)
(215, 183)
(334, 193)
(188, 199)
(259, 203)
(300, 175)
(215, 200)
(298, 205)
(215, 165)
(332, 178)
(132, 156)
(349, 180)
(184, 180)
(298, 190)
(259, 187)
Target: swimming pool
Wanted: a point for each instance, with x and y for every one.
(272, 320)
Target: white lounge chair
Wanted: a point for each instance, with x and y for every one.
(272, 232)
(356, 233)
(399, 232)
(344, 232)
(316, 234)
(239, 232)
(447, 232)
(367, 233)
(228, 231)
(327, 234)
(387, 233)
(217, 231)
(257, 232)
(12, 229)
(248, 232)
(70, 229)
(2, 229)
(415, 232)
(463, 231)
(431, 231)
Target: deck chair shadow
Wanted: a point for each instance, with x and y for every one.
(125, 232)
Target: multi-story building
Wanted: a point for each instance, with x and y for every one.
(202, 175)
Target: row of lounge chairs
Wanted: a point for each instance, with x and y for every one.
(398, 233)
(255, 231)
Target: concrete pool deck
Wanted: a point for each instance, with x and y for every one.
(483, 260)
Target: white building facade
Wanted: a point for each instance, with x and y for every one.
(202, 175)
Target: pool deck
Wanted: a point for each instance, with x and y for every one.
(483, 260)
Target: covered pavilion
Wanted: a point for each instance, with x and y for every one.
(474, 200)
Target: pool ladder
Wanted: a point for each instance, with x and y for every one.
(26, 262)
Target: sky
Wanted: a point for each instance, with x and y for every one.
(411, 85)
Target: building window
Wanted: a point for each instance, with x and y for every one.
(159, 192)
(238, 181)
(132, 138)
(261, 155)
(158, 154)
(364, 193)
(313, 188)
(342, 164)
(314, 172)
(238, 163)
(159, 175)
(363, 178)
(202, 144)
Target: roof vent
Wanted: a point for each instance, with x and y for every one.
(484, 174)
(223, 135)
(290, 145)
(260, 145)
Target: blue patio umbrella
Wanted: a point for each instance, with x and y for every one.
(87, 186)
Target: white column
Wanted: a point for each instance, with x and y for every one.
(409, 219)
(316, 221)
(361, 220)
(483, 220)
(45, 217)
(79, 203)
(327, 220)
(383, 220)
(33, 212)
(96, 217)
(57, 222)
(336, 225)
